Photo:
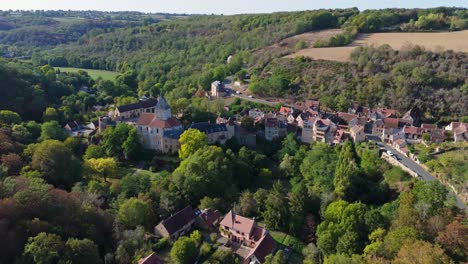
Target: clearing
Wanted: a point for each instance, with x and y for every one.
(106, 75)
(437, 41)
(288, 45)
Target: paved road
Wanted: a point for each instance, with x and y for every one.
(255, 100)
(412, 165)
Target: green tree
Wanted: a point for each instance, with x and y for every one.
(433, 194)
(208, 202)
(346, 169)
(191, 141)
(56, 163)
(248, 123)
(81, 251)
(276, 212)
(289, 145)
(247, 204)
(184, 251)
(204, 173)
(197, 237)
(44, 248)
(52, 130)
(395, 239)
(318, 168)
(131, 145)
(9, 117)
(50, 114)
(277, 258)
(94, 152)
(133, 212)
(102, 167)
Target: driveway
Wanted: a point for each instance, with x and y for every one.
(412, 165)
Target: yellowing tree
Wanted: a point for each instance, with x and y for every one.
(103, 167)
(191, 141)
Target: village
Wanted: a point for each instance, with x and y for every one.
(159, 130)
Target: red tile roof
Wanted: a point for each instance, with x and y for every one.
(265, 247)
(346, 116)
(237, 222)
(210, 216)
(413, 130)
(149, 119)
(285, 110)
(390, 122)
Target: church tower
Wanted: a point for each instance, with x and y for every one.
(163, 111)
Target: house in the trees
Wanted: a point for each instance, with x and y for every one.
(125, 112)
(216, 133)
(357, 133)
(274, 128)
(76, 129)
(217, 89)
(179, 224)
(245, 232)
(256, 113)
(158, 130)
(461, 133)
(324, 130)
(151, 259)
(208, 219)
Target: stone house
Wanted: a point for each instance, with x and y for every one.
(125, 112)
(179, 224)
(245, 232)
(357, 133)
(216, 133)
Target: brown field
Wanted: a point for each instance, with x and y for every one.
(456, 41)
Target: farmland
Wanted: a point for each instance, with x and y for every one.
(106, 75)
(455, 41)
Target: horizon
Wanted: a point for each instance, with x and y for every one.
(207, 7)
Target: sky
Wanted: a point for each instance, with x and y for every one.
(218, 6)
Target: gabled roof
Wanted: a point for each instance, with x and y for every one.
(142, 104)
(151, 259)
(429, 126)
(210, 215)
(237, 222)
(356, 129)
(413, 130)
(150, 120)
(346, 116)
(263, 248)
(390, 122)
(179, 219)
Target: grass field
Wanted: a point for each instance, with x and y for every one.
(456, 41)
(286, 240)
(106, 75)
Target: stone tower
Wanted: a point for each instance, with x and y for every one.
(163, 111)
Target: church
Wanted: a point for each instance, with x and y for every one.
(159, 130)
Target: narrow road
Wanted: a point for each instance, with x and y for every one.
(255, 100)
(412, 165)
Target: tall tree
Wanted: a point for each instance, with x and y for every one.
(133, 212)
(346, 169)
(81, 251)
(44, 248)
(184, 251)
(56, 163)
(191, 141)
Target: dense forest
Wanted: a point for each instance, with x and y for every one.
(182, 55)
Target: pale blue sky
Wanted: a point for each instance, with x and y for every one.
(219, 6)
